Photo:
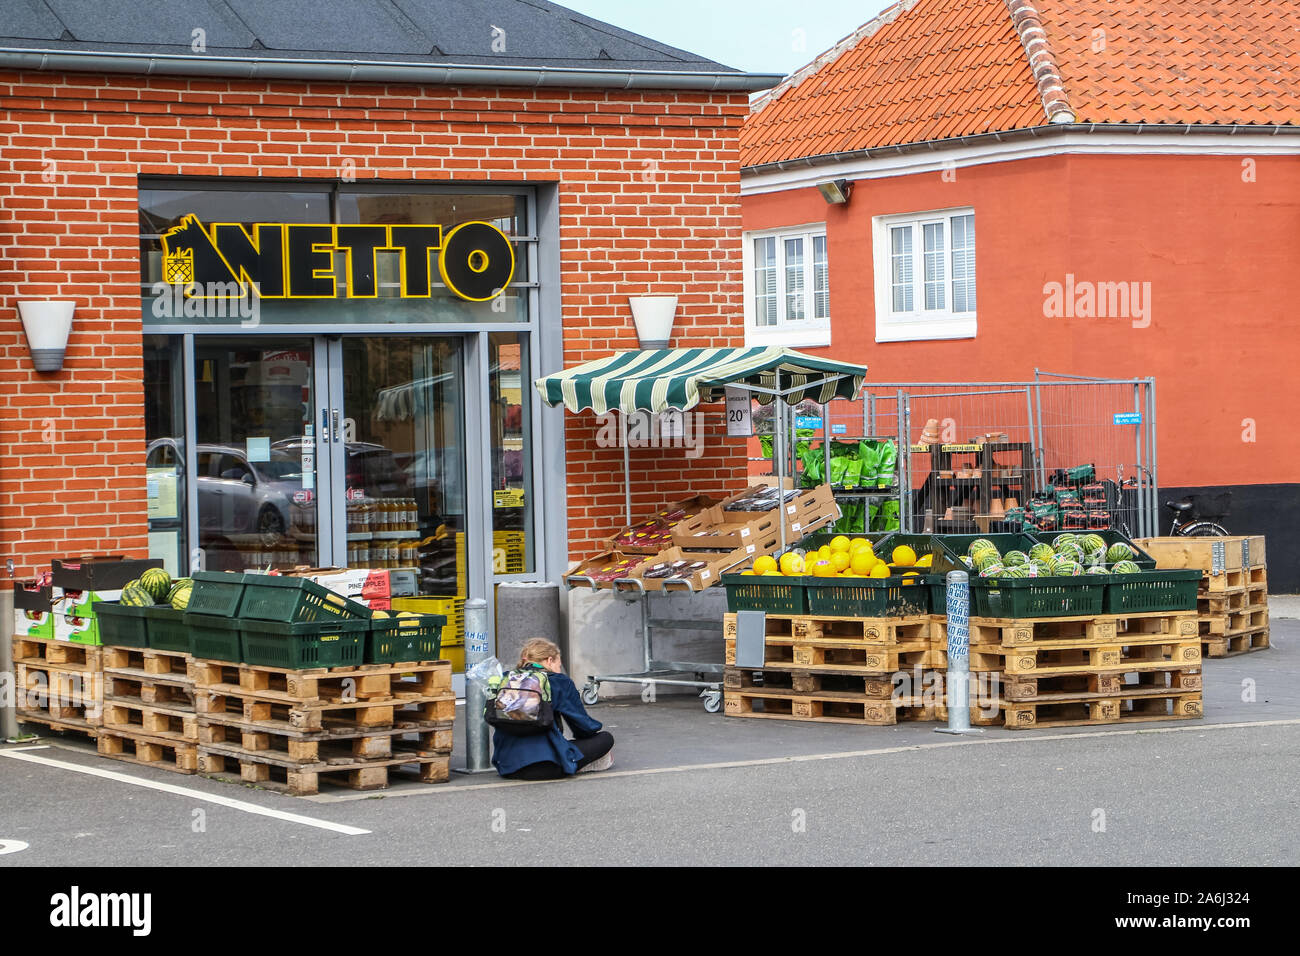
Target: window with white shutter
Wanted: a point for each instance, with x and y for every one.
(924, 275)
(787, 287)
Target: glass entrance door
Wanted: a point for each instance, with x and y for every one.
(402, 459)
(254, 448)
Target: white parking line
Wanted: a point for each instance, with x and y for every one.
(22, 754)
(1019, 737)
(12, 846)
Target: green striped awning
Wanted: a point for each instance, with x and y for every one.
(656, 380)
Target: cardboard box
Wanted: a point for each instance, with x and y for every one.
(102, 573)
(808, 511)
(655, 533)
(34, 612)
(605, 559)
(717, 528)
(358, 584)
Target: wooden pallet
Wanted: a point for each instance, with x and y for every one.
(165, 753)
(299, 779)
(62, 692)
(844, 656)
(1036, 661)
(825, 707)
(1248, 619)
(884, 630)
(317, 715)
(310, 747)
(1230, 645)
(177, 724)
(66, 654)
(370, 682)
(806, 682)
(1014, 687)
(160, 691)
(147, 664)
(1234, 580)
(1086, 710)
(63, 723)
(1074, 631)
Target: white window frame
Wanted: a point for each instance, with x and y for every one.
(810, 332)
(919, 324)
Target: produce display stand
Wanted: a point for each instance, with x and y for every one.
(659, 380)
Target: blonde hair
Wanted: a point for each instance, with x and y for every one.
(537, 650)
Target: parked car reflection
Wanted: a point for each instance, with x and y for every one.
(238, 496)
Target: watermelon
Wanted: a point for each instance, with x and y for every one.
(1042, 552)
(179, 594)
(980, 544)
(1013, 559)
(157, 582)
(1119, 551)
(1069, 551)
(1097, 569)
(1093, 542)
(1125, 567)
(1064, 538)
(986, 558)
(135, 595)
(1067, 569)
(991, 570)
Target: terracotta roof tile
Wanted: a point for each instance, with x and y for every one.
(933, 69)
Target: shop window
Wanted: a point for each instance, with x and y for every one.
(925, 275)
(164, 431)
(509, 422)
(787, 287)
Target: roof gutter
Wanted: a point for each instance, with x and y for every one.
(377, 71)
(1031, 132)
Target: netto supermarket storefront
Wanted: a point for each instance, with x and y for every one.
(356, 409)
(339, 374)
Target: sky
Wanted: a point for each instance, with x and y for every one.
(758, 36)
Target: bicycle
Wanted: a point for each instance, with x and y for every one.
(1187, 522)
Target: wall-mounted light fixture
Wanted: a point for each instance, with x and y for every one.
(653, 315)
(47, 325)
(836, 192)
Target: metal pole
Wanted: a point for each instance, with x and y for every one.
(1154, 516)
(779, 410)
(1042, 438)
(903, 462)
(1140, 519)
(627, 473)
(477, 648)
(958, 596)
(8, 697)
(1029, 418)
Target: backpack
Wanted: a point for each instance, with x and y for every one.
(519, 703)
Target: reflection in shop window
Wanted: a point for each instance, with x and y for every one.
(509, 421)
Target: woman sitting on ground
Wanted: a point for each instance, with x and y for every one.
(551, 756)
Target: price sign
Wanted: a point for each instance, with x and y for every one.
(740, 419)
(670, 424)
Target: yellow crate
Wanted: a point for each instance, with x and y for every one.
(456, 654)
(453, 608)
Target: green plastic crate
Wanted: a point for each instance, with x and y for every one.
(814, 541)
(216, 592)
(214, 638)
(754, 592)
(1141, 559)
(271, 597)
(1020, 598)
(302, 645)
(122, 625)
(867, 597)
(167, 630)
(1152, 591)
(396, 639)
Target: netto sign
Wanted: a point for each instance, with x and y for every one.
(296, 261)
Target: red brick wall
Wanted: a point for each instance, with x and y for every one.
(649, 194)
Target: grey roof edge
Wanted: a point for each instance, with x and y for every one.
(1027, 132)
(378, 71)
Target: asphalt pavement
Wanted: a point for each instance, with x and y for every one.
(692, 788)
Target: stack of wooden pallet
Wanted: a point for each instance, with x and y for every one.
(284, 729)
(1233, 596)
(838, 669)
(1067, 671)
(59, 684)
(149, 709)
